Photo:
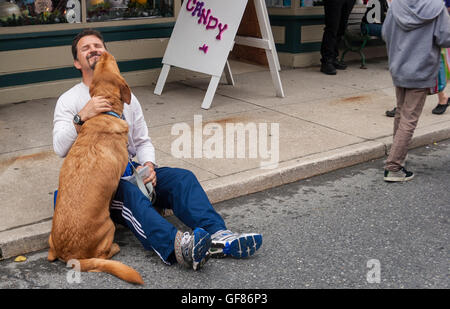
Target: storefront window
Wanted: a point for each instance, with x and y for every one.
(33, 12)
(292, 3)
(103, 10)
(38, 12)
(309, 3)
(278, 3)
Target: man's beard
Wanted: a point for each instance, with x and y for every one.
(92, 65)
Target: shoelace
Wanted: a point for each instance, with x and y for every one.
(185, 244)
(220, 235)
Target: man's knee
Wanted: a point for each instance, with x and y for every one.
(185, 176)
(182, 179)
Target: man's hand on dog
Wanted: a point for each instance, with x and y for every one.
(93, 107)
(152, 177)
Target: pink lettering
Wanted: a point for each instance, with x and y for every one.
(221, 31)
(204, 16)
(189, 2)
(198, 9)
(204, 48)
(209, 25)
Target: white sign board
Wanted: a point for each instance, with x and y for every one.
(204, 35)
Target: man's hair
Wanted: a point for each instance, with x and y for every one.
(84, 33)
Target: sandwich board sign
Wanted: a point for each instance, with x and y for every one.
(203, 36)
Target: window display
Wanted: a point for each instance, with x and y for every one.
(32, 12)
(291, 3)
(309, 3)
(102, 10)
(37, 12)
(278, 3)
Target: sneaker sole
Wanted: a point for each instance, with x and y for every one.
(328, 73)
(202, 243)
(398, 179)
(239, 248)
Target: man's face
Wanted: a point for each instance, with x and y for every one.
(89, 50)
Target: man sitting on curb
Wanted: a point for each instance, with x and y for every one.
(176, 189)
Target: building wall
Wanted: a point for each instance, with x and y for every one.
(40, 64)
(298, 36)
(36, 61)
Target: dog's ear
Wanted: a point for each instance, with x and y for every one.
(125, 93)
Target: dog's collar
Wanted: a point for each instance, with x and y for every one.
(115, 115)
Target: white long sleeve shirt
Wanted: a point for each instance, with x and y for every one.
(72, 102)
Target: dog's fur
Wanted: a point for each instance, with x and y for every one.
(82, 228)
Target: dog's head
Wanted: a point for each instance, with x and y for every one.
(108, 82)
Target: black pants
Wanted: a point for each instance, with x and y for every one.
(336, 18)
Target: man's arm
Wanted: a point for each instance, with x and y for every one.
(145, 151)
(65, 132)
(93, 107)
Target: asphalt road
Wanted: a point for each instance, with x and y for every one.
(346, 229)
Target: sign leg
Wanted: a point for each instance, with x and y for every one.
(162, 79)
(228, 74)
(271, 52)
(211, 91)
(275, 74)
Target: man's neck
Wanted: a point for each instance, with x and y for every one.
(87, 79)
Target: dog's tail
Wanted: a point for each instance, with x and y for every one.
(115, 268)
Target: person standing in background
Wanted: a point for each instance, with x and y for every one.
(443, 99)
(414, 32)
(336, 18)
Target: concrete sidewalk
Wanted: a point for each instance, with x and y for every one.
(325, 123)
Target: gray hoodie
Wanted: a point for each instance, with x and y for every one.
(414, 32)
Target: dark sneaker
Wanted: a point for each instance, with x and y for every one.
(225, 243)
(191, 250)
(328, 68)
(440, 108)
(340, 65)
(391, 113)
(399, 176)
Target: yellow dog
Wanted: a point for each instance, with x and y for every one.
(82, 228)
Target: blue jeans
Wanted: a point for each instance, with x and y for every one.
(176, 189)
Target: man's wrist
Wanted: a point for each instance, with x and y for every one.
(83, 116)
(150, 164)
(78, 120)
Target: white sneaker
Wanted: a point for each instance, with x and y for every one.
(399, 176)
(191, 250)
(225, 243)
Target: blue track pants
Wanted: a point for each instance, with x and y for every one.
(176, 189)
